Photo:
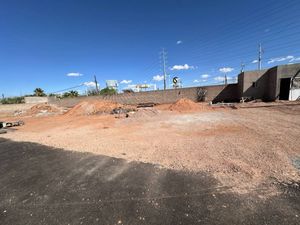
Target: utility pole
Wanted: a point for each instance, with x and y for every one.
(259, 56)
(164, 67)
(242, 67)
(225, 79)
(96, 83)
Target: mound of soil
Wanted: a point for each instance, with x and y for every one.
(144, 113)
(94, 107)
(43, 108)
(186, 105)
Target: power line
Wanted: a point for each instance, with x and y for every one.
(66, 89)
(233, 55)
(274, 36)
(150, 68)
(258, 15)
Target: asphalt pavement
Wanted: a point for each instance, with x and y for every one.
(44, 185)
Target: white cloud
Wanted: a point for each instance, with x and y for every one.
(199, 81)
(90, 84)
(219, 78)
(126, 81)
(74, 74)
(179, 42)
(226, 70)
(290, 58)
(205, 75)
(295, 59)
(158, 78)
(255, 61)
(222, 78)
(182, 67)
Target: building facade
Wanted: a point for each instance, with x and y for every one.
(279, 82)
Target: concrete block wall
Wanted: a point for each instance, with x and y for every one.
(229, 93)
(246, 80)
(271, 86)
(36, 100)
(267, 81)
(214, 93)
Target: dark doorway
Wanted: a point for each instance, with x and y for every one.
(284, 89)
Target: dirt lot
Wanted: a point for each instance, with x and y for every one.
(246, 148)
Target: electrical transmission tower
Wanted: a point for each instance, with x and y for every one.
(260, 52)
(164, 59)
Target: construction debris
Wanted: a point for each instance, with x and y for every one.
(95, 107)
(144, 105)
(14, 124)
(4, 125)
(224, 105)
(121, 110)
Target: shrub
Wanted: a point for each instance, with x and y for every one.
(108, 91)
(13, 100)
(70, 94)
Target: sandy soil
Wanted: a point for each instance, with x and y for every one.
(244, 148)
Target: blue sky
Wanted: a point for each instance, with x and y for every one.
(42, 42)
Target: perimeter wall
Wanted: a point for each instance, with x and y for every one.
(213, 93)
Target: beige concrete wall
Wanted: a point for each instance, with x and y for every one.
(268, 82)
(36, 100)
(10, 109)
(247, 79)
(219, 92)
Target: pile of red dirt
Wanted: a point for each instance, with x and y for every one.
(94, 107)
(43, 108)
(186, 105)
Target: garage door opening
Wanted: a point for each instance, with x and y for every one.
(284, 88)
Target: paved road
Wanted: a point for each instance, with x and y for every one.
(43, 185)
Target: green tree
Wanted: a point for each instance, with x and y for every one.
(12, 100)
(66, 95)
(108, 91)
(92, 92)
(70, 94)
(39, 92)
(74, 93)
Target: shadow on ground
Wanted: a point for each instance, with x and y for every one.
(44, 185)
